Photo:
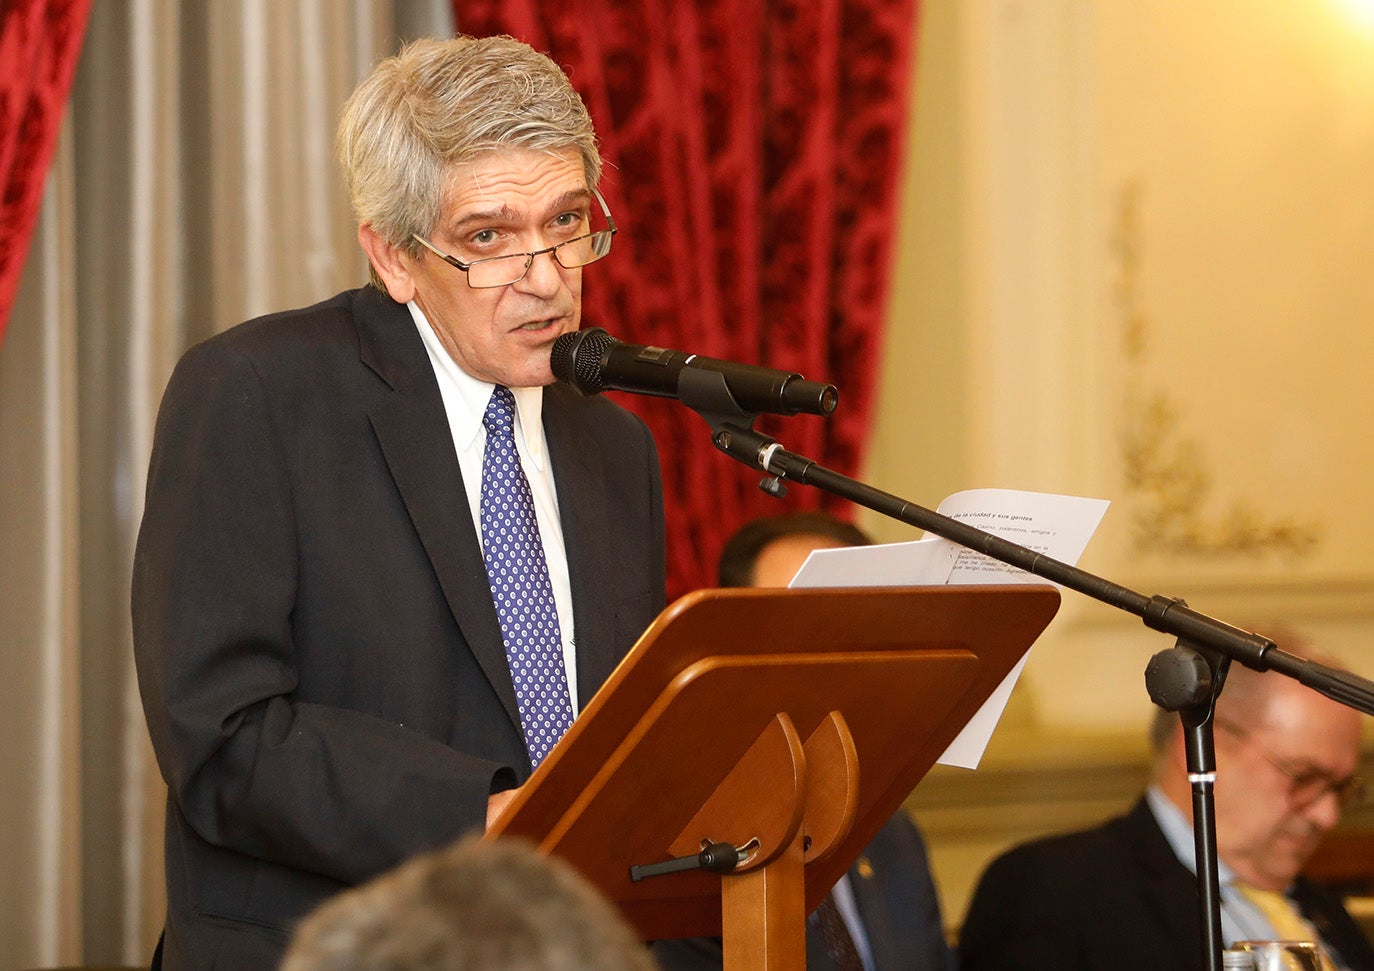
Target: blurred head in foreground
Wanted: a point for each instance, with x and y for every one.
(475, 906)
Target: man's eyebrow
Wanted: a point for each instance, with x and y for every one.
(1301, 765)
(501, 215)
(506, 216)
(572, 199)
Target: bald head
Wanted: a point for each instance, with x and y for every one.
(1285, 754)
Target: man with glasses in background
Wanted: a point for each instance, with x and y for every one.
(1124, 895)
(384, 560)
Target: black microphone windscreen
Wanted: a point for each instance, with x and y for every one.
(576, 358)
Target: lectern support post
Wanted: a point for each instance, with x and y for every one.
(763, 915)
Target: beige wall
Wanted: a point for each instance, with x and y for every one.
(1137, 237)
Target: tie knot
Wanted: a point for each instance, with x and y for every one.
(1258, 895)
(499, 418)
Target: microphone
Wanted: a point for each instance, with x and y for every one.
(593, 361)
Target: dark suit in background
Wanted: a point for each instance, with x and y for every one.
(320, 660)
(896, 901)
(1111, 897)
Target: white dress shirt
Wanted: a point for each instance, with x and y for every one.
(465, 402)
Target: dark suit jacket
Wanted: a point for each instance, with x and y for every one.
(1112, 897)
(320, 661)
(896, 901)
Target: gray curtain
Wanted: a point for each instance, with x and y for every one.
(194, 186)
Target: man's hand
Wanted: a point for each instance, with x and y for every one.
(497, 803)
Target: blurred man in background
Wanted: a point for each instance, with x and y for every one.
(1124, 895)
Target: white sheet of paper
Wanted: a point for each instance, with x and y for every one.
(1058, 526)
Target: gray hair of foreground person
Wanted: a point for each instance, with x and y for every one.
(475, 906)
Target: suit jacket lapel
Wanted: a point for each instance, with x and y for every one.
(1173, 888)
(415, 438)
(868, 898)
(586, 520)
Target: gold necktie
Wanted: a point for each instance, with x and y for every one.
(1283, 916)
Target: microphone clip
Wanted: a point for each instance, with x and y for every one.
(773, 486)
(708, 394)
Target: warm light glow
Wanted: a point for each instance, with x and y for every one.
(1361, 10)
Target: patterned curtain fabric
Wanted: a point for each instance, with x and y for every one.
(39, 44)
(753, 151)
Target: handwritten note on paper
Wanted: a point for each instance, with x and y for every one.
(1058, 526)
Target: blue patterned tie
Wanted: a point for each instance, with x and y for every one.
(520, 584)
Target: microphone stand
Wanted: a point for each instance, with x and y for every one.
(1187, 678)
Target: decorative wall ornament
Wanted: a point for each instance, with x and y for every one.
(1169, 485)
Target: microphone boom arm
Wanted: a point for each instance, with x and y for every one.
(1165, 614)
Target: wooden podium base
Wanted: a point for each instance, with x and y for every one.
(763, 915)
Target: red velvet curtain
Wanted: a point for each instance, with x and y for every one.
(753, 154)
(39, 44)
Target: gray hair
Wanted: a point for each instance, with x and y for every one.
(474, 906)
(441, 103)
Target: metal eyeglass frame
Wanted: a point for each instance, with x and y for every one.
(529, 257)
(1349, 791)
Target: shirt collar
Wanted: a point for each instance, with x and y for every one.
(466, 397)
(1178, 830)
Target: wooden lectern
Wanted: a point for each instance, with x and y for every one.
(800, 719)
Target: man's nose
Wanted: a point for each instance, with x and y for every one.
(544, 278)
(1324, 812)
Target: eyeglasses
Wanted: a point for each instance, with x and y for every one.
(502, 271)
(1308, 785)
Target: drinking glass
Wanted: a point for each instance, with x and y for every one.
(1285, 955)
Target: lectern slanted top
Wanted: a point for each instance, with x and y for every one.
(798, 718)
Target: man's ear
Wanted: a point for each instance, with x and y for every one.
(389, 263)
